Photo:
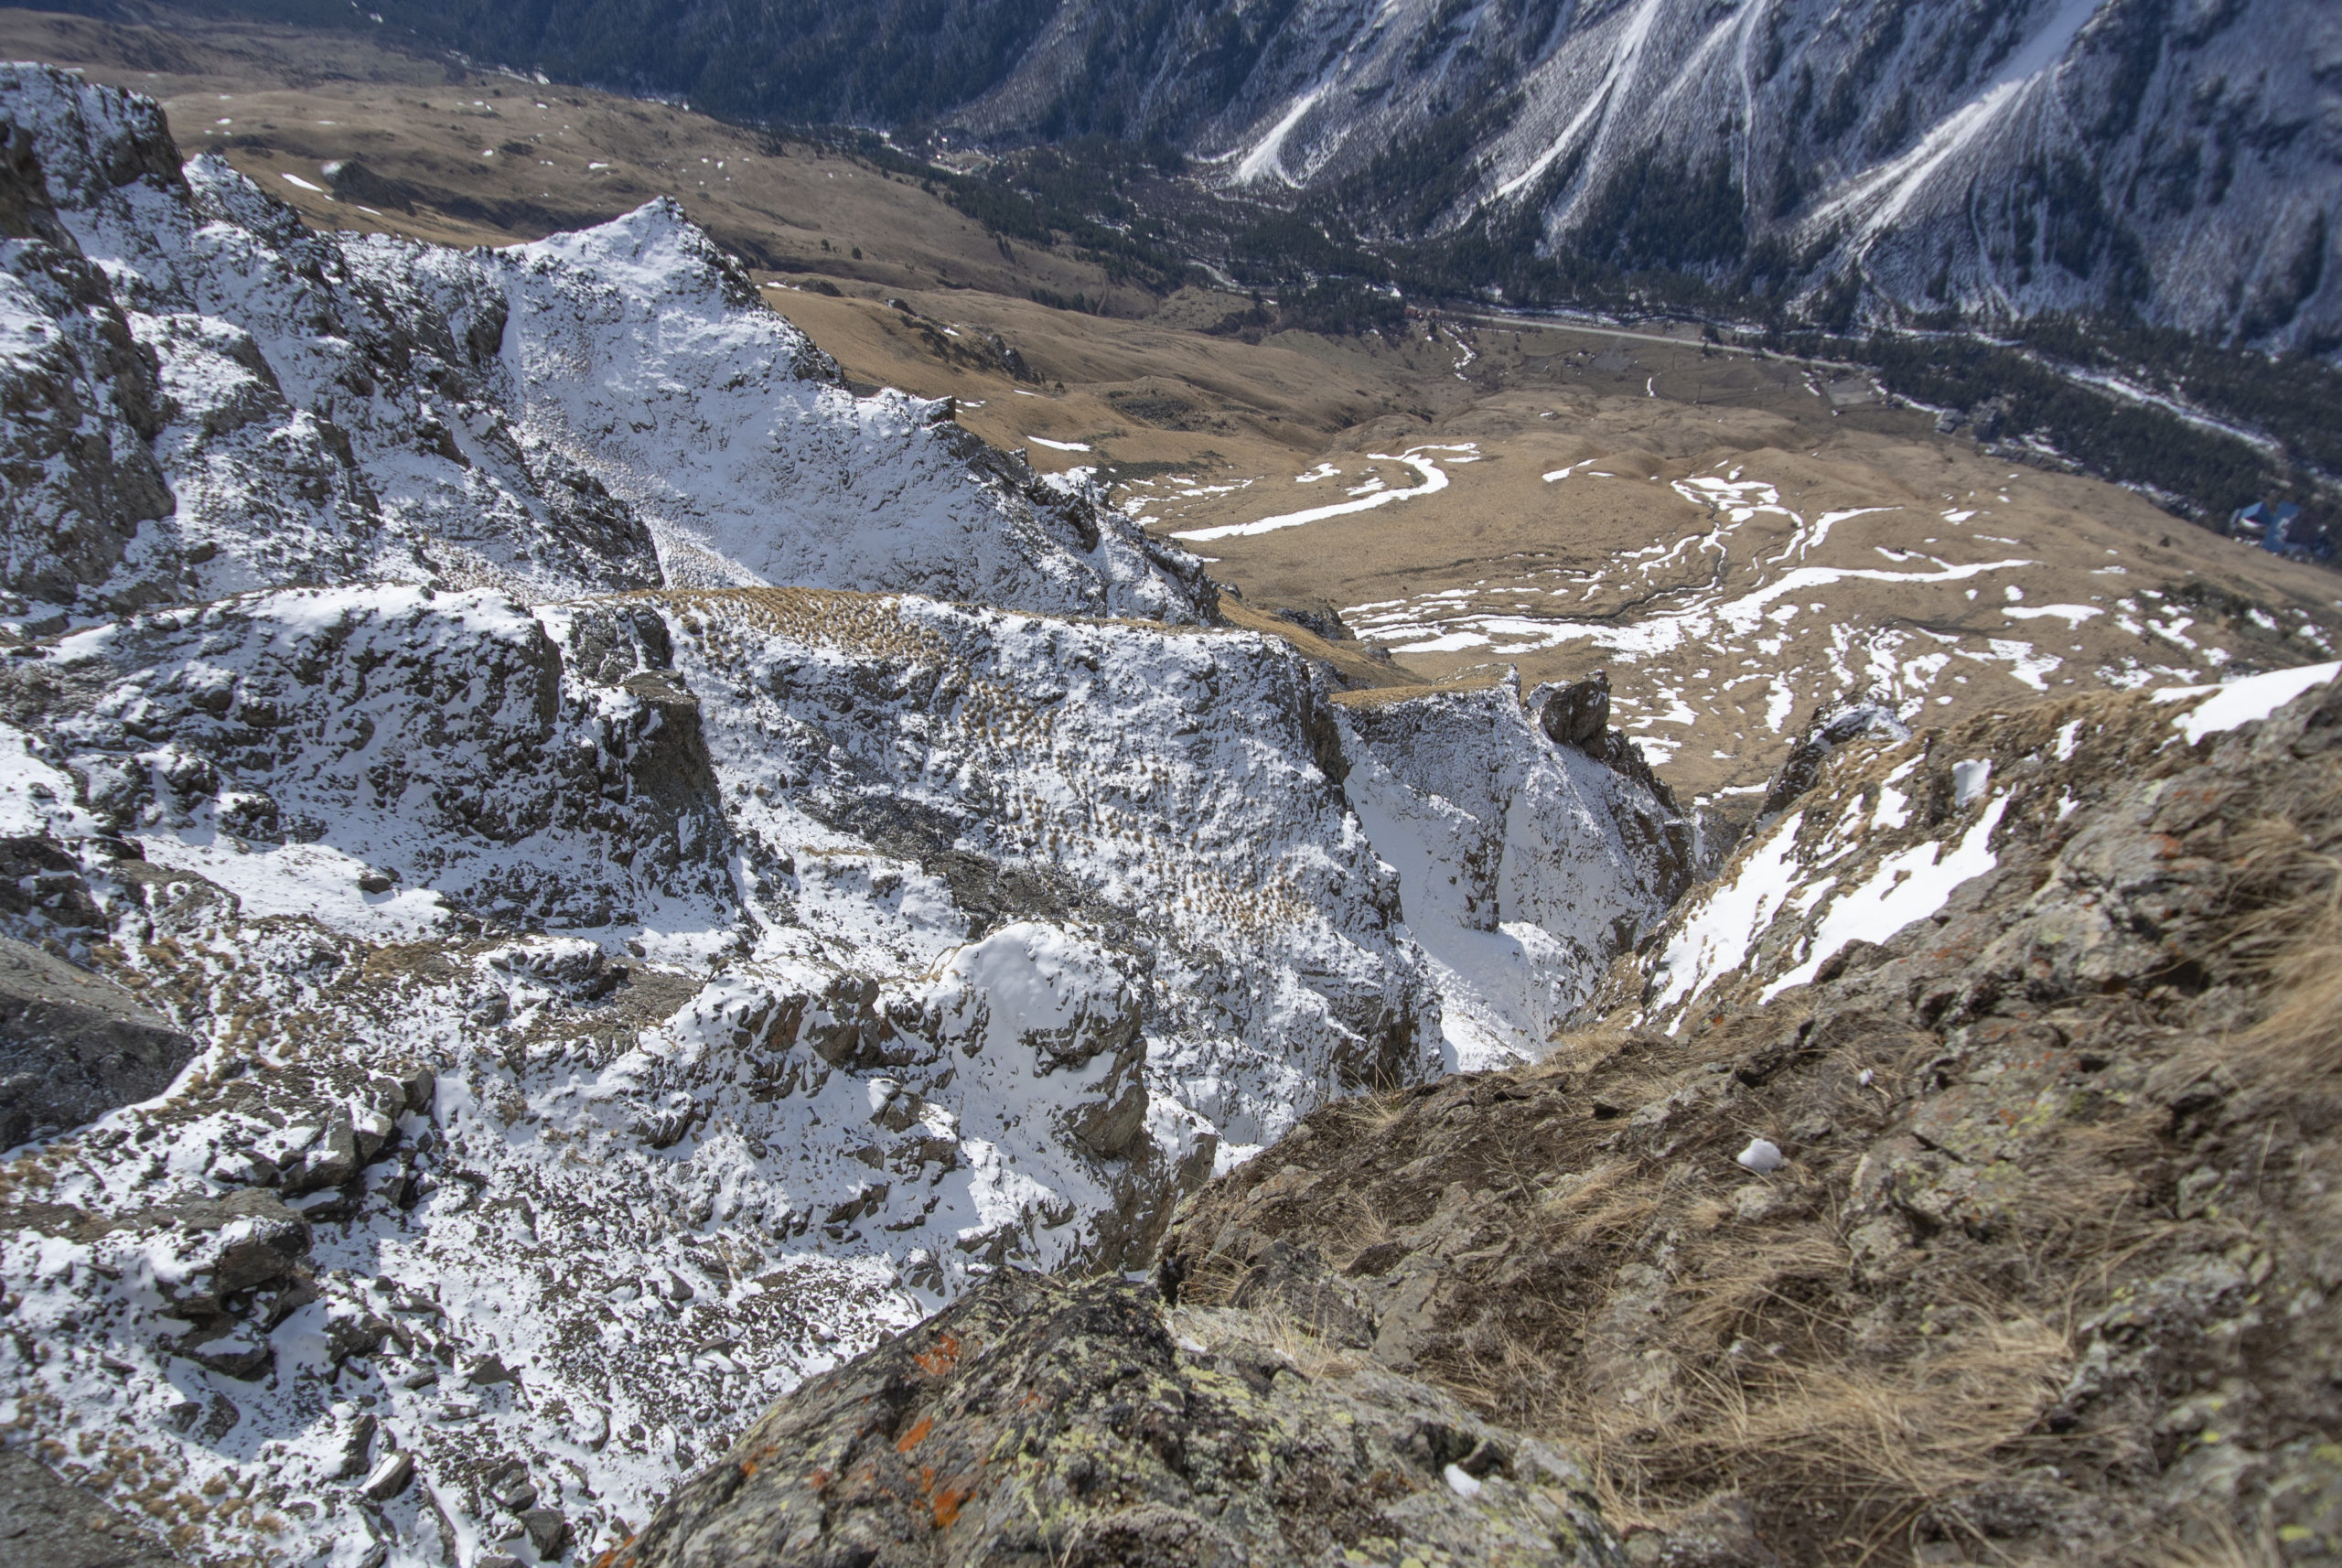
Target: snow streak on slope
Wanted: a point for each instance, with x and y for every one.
(1889, 192)
(1624, 57)
(1890, 834)
(1265, 158)
(1435, 479)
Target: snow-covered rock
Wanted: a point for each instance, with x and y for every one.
(1525, 866)
(645, 1001)
(210, 399)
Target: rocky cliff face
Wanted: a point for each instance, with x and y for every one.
(561, 991)
(2063, 155)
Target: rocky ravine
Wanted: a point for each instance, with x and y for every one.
(517, 989)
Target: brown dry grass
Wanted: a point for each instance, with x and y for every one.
(2214, 1541)
(2302, 1037)
(1880, 1439)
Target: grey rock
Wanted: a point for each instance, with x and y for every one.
(1863, 721)
(486, 1370)
(548, 1532)
(38, 878)
(358, 1448)
(389, 1477)
(233, 1349)
(1719, 1533)
(1042, 1420)
(1577, 713)
(47, 1522)
(421, 1083)
(247, 1241)
(332, 1160)
(74, 1046)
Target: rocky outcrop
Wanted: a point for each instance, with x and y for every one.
(79, 400)
(1861, 720)
(1577, 715)
(1963, 1158)
(1080, 1424)
(1533, 843)
(74, 1046)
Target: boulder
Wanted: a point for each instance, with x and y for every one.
(1038, 1421)
(1577, 715)
(74, 1046)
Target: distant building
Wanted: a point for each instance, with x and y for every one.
(2268, 522)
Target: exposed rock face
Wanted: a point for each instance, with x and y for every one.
(1041, 1421)
(74, 1046)
(1527, 862)
(2039, 1014)
(1864, 721)
(1577, 715)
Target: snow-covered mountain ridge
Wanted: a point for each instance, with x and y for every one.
(600, 412)
(631, 937)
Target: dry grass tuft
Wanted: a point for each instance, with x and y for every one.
(2214, 1541)
(1613, 1196)
(1268, 1326)
(2302, 1037)
(1367, 1114)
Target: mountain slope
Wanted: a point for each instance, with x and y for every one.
(1954, 1181)
(2155, 158)
(2116, 156)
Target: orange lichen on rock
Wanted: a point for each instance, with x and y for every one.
(942, 1357)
